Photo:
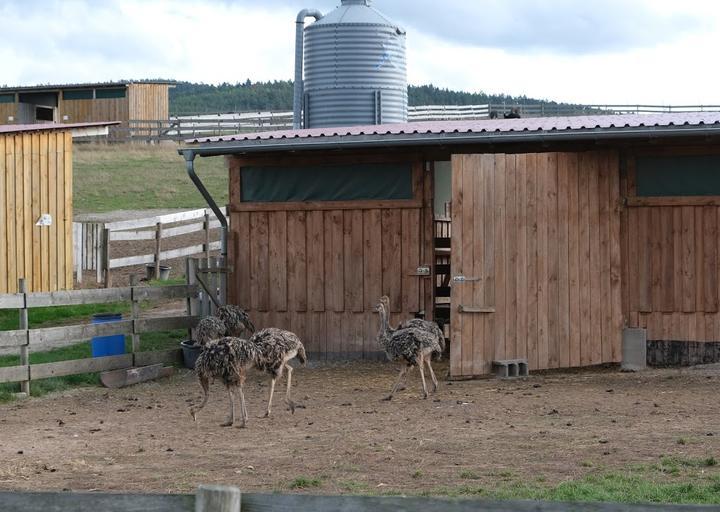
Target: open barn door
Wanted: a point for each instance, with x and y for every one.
(535, 260)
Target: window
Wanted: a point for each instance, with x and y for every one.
(7, 98)
(44, 114)
(327, 183)
(102, 94)
(78, 94)
(688, 175)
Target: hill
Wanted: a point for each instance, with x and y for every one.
(193, 98)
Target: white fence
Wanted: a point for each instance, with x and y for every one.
(95, 242)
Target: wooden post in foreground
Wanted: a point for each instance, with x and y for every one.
(24, 349)
(217, 498)
(106, 258)
(206, 245)
(192, 302)
(135, 316)
(158, 238)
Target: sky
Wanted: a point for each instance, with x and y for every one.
(583, 51)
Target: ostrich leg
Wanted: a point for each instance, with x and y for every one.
(432, 375)
(290, 403)
(231, 418)
(243, 409)
(205, 384)
(422, 375)
(400, 378)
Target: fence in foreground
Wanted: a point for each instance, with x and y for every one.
(230, 499)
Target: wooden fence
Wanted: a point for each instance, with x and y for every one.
(230, 499)
(206, 289)
(183, 127)
(94, 242)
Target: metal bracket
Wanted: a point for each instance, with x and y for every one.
(463, 279)
(421, 271)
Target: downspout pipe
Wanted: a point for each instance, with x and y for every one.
(299, 49)
(189, 155)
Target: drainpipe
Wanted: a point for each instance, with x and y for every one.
(298, 90)
(190, 166)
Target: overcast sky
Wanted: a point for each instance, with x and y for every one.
(588, 51)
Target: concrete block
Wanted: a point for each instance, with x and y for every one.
(634, 350)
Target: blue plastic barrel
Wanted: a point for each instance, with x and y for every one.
(107, 345)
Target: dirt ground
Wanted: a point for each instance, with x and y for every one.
(549, 428)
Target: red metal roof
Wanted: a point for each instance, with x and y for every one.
(535, 124)
(15, 128)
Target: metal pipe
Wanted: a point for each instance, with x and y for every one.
(299, 48)
(189, 155)
(448, 139)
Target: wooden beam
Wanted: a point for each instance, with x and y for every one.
(91, 365)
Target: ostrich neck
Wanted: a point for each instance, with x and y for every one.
(385, 330)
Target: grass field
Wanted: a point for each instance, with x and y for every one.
(134, 177)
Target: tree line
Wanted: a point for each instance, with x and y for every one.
(199, 98)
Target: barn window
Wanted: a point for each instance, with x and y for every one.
(7, 98)
(687, 175)
(44, 114)
(78, 94)
(102, 94)
(327, 183)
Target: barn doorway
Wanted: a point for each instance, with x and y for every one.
(442, 232)
(37, 107)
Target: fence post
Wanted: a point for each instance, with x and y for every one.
(24, 349)
(223, 278)
(206, 227)
(97, 252)
(192, 302)
(135, 315)
(217, 498)
(106, 258)
(158, 238)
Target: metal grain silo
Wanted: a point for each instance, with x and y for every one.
(355, 68)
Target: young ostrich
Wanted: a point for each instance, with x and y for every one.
(276, 348)
(427, 325)
(414, 346)
(208, 329)
(236, 320)
(226, 359)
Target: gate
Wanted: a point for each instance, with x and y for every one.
(210, 274)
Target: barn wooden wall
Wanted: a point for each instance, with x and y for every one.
(148, 102)
(542, 231)
(36, 178)
(97, 110)
(7, 109)
(319, 270)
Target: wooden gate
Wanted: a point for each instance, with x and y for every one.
(535, 260)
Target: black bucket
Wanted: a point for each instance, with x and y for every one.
(191, 351)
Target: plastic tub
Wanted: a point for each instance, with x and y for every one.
(164, 272)
(191, 351)
(113, 345)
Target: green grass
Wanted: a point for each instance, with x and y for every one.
(302, 482)
(126, 177)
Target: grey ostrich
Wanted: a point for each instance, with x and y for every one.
(412, 345)
(208, 329)
(276, 348)
(427, 325)
(236, 320)
(226, 359)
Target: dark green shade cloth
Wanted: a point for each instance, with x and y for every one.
(693, 175)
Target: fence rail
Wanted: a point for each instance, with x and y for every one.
(230, 499)
(93, 249)
(182, 127)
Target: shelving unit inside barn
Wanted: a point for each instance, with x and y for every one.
(563, 232)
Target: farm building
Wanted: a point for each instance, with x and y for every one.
(563, 232)
(127, 102)
(36, 204)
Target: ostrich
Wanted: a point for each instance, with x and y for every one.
(276, 348)
(413, 345)
(419, 323)
(237, 321)
(208, 329)
(226, 359)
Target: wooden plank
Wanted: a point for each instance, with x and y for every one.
(278, 260)
(329, 205)
(10, 226)
(121, 236)
(242, 244)
(476, 222)
(131, 261)
(521, 291)
(553, 261)
(334, 266)
(3, 223)
(148, 222)
(353, 259)
(44, 240)
(456, 321)
(605, 206)
(655, 239)
(53, 210)
(12, 301)
(487, 271)
(21, 200)
(62, 213)
(297, 261)
(584, 247)
(172, 356)
(165, 323)
(179, 291)
(563, 279)
(574, 265)
(615, 258)
(511, 261)
(68, 198)
(499, 213)
(92, 365)
(372, 258)
(595, 261)
(259, 262)
(699, 267)
(644, 261)
(35, 195)
(543, 221)
(16, 338)
(70, 334)
(677, 258)
(392, 258)
(710, 259)
(666, 260)
(13, 374)
(187, 251)
(673, 201)
(75, 297)
(532, 260)
(688, 259)
(410, 244)
(315, 262)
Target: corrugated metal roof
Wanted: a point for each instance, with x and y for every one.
(17, 128)
(55, 87)
(486, 131)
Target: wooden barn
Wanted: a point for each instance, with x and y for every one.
(36, 204)
(126, 102)
(563, 232)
